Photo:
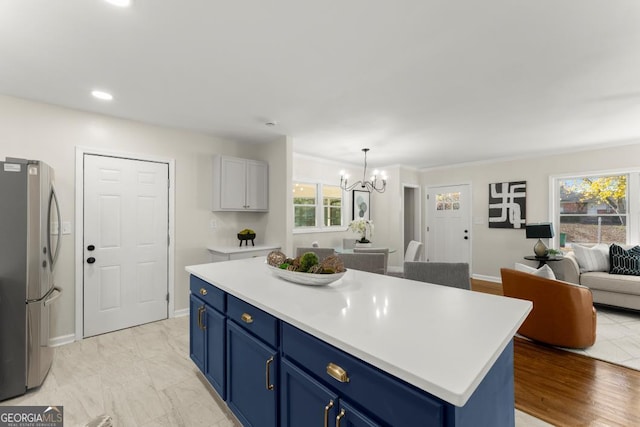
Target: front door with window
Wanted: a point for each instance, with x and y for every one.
(448, 219)
(125, 247)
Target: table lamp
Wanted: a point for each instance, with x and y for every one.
(543, 230)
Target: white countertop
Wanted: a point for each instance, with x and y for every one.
(243, 248)
(442, 340)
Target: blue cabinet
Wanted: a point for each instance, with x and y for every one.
(252, 389)
(306, 402)
(196, 332)
(207, 346)
(215, 344)
(271, 373)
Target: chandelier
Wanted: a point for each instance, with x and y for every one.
(371, 185)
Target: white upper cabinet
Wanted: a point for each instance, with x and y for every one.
(240, 184)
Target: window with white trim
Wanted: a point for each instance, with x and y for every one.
(317, 207)
(596, 208)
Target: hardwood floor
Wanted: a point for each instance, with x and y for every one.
(567, 389)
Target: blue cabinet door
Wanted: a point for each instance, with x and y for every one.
(215, 338)
(348, 416)
(196, 331)
(303, 400)
(252, 373)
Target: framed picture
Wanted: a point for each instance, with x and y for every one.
(508, 204)
(361, 203)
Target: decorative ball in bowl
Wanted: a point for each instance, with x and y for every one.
(306, 269)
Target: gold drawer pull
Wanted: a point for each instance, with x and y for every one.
(246, 318)
(268, 374)
(337, 372)
(326, 413)
(340, 417)
(203, 291)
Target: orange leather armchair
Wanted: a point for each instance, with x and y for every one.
(563, 313)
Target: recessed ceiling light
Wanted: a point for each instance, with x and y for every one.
(120, 3)
(105, 96)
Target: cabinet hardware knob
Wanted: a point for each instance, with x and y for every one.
(268, 374)
(246, 318)
(326, 413)
(337, 373)
(340, 417)
(203, 291)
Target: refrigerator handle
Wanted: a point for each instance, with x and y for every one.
(57, 293)
(53, 256)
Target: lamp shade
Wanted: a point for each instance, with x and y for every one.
(543, 230)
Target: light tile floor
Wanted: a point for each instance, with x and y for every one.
(140, 376)
(143, 376)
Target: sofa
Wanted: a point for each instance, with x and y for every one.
(586, 267)
(562, 314)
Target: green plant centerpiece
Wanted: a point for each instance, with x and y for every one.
(308, 262)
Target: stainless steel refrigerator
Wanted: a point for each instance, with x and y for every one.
(29, 245)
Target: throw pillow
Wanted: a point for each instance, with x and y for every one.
(624, 261)
(544, 271)
(595, 258)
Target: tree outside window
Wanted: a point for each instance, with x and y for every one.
(593, 209)
(332, 204)
(304, 205)
(317, 206)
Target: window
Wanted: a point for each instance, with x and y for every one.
(448, 201)
(594, 208)
(332, 203)
(312, 213)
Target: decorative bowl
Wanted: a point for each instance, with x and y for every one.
(305, 278)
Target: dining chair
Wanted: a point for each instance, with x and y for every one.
(371, 262)
(321, 252)
(384, 251)
(453, 274)
(413, 252)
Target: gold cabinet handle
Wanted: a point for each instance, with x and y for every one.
(337, 373)
(246, 318)
(326, 413)
(201, 324)
(340, 417)
(203, 291)
(268, 374)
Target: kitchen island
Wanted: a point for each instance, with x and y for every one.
(407, 351)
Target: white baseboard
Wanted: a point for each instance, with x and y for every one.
(62, 340)
(486, 278)
(181, 313)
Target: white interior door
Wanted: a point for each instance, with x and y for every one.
(125, 246)
(449, 221)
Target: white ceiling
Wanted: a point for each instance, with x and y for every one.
(422, 82)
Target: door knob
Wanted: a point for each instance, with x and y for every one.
(91, 260)
(466, 237)
(90, 247)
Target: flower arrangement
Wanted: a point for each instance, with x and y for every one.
(364, 227)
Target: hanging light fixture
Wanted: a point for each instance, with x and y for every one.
(364, 185)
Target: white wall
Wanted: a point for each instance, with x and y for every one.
(49, 133)
(495, 248)
(386, 208)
